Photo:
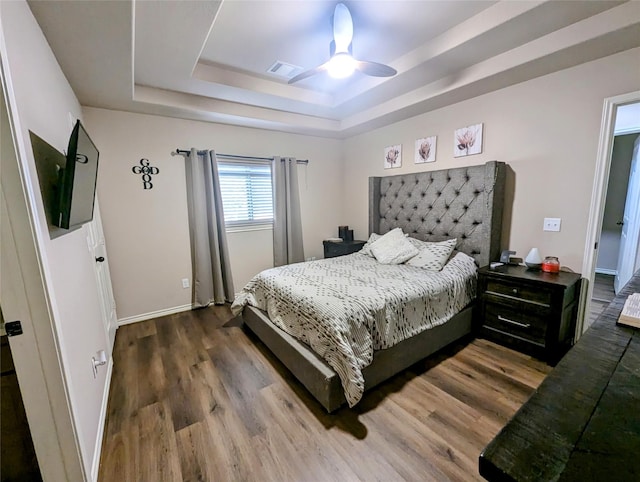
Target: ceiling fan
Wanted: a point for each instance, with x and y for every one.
(342, 64)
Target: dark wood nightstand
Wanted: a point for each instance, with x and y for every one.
(333, 248)
(532, 311)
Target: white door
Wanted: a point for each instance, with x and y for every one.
(35, 352)
(631, 224)
(95, 239)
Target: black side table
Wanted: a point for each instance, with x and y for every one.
(532, 311)
(340, 248)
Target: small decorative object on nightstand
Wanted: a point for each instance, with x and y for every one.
(532, 311)
(533, 259)
(340, 248)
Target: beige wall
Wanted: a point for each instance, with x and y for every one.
(146, 230)
(546, 129)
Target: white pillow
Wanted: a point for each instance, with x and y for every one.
(393, 248)
(433, 256)
(366, 249)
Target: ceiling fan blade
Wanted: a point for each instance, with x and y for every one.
(308, 73)
(342, 28)
(375, 69)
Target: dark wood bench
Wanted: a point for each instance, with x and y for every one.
(583, 422)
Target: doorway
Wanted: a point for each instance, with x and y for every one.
(612, 205)
(609, 252)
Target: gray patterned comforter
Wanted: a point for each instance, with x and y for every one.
(344, 308)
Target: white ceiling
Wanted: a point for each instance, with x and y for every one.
(208, 60)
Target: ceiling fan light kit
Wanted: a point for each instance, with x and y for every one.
(342, 64)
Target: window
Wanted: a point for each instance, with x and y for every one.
(246, 193)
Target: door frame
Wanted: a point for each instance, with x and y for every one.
(598, 199)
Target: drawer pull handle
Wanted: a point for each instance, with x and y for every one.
(515, 291)
(523, 325)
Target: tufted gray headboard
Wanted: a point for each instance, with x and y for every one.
(463, 203)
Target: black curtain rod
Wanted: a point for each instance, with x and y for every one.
(233, 156)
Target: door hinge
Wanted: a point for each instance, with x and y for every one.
(595, 246)
(13, 328)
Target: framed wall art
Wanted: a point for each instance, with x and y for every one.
(425, 150)
(393, 156)
(467, 141)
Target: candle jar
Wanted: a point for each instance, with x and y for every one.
(550, 264)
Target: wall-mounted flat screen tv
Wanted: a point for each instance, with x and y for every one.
(77, 181)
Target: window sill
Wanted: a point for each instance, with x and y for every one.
(255, 227)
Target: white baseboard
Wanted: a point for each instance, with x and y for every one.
(95, 466)
(153, 314)
(612, 272)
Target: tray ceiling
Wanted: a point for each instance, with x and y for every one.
(210, 60)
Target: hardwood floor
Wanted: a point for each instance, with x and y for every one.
(196, 397)
(603, 294)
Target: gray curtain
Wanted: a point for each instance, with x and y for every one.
(287, 226)
(212, 281)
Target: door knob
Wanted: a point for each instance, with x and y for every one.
(99, 259)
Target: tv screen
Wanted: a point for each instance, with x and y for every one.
(77, 186)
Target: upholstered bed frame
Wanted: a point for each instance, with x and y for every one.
(464, 203)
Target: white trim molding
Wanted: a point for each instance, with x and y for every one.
(97, 452)
(624, 132)
(608, 271)
(598, 198)
(153, 314)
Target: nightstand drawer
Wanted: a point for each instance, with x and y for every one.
(520, 323)
(513, 290)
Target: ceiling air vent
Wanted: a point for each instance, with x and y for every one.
(284, 70)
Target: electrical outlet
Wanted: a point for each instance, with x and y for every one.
(551, 224)
(185, 283)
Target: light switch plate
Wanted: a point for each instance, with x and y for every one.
(551, 224)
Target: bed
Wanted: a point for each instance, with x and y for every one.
(463, 203)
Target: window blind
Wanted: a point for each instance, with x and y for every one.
(247, 195)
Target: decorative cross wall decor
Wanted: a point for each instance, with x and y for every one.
(147, 171)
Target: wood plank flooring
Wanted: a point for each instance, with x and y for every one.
(196, 397)
(603, 294)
